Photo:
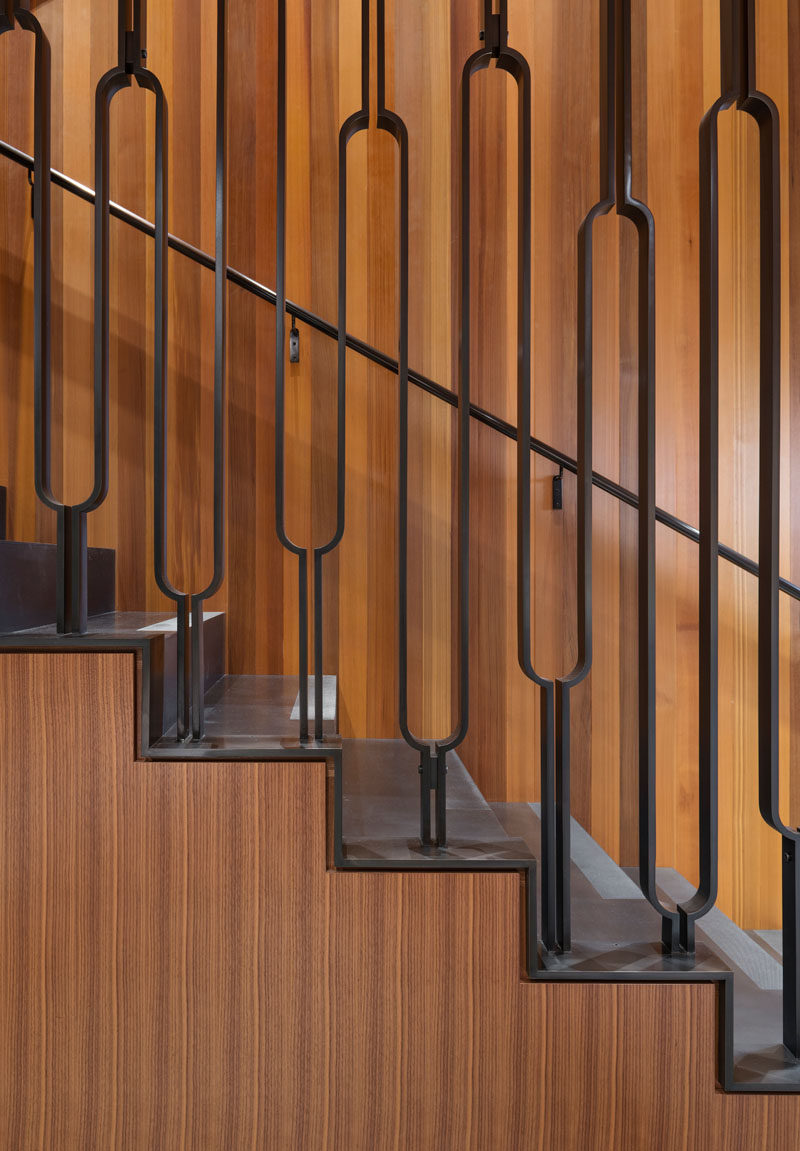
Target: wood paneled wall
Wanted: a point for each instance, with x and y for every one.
(676, 53)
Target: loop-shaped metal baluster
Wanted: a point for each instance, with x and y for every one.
(189, 605)
(555, 693)
(72, 609)
(737, 36)
(355, 123)
(72, 597)
(42, 286)
(677, 925)
(739, 79)
(433, 754)
(619, 51)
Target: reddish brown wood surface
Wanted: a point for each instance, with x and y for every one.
(181, 969)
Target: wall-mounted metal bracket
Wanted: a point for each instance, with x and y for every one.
(558, 491)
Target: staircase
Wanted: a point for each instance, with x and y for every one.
(371, 789)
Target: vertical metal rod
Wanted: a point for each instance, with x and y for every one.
(71, 608)
(791, 946)
(302, 595)
(562, 805)
(318, 682)
(184, 667)
(441, 799)
(549, 840)
(425, 796)
(197, 666)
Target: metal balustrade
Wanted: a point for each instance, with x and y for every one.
(737, 23)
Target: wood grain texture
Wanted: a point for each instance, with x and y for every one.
(676, 76)
(182, 970)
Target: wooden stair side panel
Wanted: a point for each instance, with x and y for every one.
(180, 969)
(65, 728)
(423, 971)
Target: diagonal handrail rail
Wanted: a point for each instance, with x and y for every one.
(480, 414)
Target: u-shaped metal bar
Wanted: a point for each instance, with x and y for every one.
(739, 75)
(72, 599)
(11, 11)
(627, 206)
(72, 586)
(433, 753)
(189, 605)
(677, 931)
(737, 40)
(353, 124)
(554, 692)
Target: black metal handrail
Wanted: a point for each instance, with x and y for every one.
(481, 415)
